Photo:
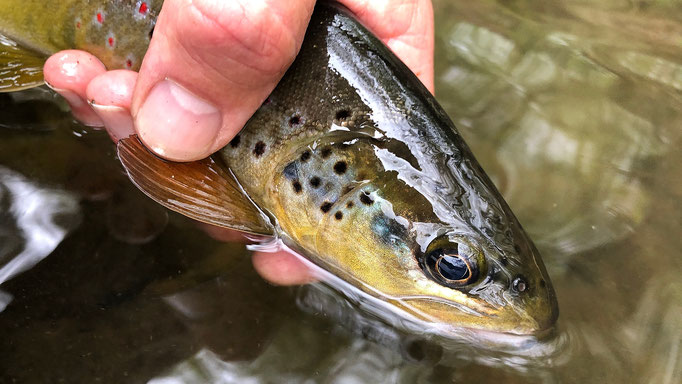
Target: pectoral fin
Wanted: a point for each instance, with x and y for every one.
(20, 68)
(201, 190)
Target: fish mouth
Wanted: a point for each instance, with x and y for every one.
(483, 322)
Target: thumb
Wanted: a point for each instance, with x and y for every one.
(209, 66)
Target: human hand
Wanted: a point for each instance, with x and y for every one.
(209, 66)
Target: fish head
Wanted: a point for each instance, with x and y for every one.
(466, 281)
(455, 258)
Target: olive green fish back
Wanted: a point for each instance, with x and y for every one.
(116, 31)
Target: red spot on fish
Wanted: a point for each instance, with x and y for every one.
(110, 41)
(78, 24)
(129, 63)
(100, 18)
(143, 8)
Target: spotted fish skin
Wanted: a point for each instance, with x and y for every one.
(363, 172)
(116, 31)
(351, 157)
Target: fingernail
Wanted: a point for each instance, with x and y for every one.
(117, 120)
(79, 108)
(177, 124)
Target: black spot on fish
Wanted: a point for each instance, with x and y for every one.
(259, 149)
(340, 167)
(342, 114)
(365, 199)
(297, 186)
(315, 181)
(350, 205)
(338, 215)
(235, 141)
(326, 152)
(305, 155)
(295, 120)
(326, 206)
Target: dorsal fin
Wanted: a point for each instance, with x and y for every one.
(20, 67)
(201, 190)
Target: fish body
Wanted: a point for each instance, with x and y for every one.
(365, 174)
(352, 163)
(116, 31)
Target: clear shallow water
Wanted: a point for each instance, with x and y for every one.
(574, 110)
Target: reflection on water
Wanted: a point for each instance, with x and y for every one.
(33, 222)
(572, 107)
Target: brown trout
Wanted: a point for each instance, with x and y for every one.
(352, 163)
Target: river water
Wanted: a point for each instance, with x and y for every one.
(573, 108)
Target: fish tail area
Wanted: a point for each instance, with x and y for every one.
(20, 67)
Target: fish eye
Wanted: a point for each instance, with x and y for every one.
(452, 263)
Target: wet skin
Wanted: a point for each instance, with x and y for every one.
(408, 216)
(366, 176)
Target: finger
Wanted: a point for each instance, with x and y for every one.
(282, 268)
(68, 73)
(405, 26)
(209, 66)
(110, 95)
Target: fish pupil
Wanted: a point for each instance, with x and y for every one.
(453, 267)
(449, 267)
(520, 284)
